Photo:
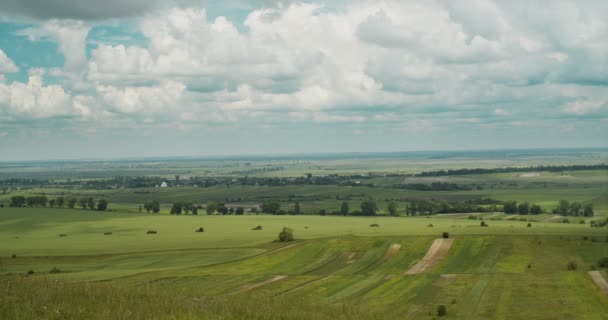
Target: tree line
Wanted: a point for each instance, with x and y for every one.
(457, 172)
(60, 202)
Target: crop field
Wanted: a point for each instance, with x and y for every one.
(124, 263)
(501, 271)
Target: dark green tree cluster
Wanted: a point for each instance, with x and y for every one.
(512, 207)
(271, 207)
(183, 207)
(152, 206)
(566, 208)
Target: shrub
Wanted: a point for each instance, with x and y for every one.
(442, 310)
(582, 222)
(375, 225)
(572, 266)
(445, 235)
(483, 224)
(55, 270)
(30, 272)
(63, 235)
(107, 233)
(257, 228)
(529, 225)
(286, 235)
(472, 218)
(566, 221)
(151, 232)
(430, 225)
(603, 263)
(200, 230)
(14, 256)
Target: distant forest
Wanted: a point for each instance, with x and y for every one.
(460, 172)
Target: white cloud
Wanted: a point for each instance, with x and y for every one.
(160, 98)
(34, 99)
(6, 64)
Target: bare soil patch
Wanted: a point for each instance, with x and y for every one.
(391, 251)
(436, 252)
(599, 280)
(552, 218)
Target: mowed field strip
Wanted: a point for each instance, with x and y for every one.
(436, 252)
(599, 280)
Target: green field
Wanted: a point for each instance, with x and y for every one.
(503, 271)
(61, 263)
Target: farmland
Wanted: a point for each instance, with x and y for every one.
(78, 263)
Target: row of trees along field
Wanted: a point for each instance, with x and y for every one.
(564, 208)
(60, 202)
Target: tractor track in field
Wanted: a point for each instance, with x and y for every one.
(433, 256)
(600, 281)
(304, 285)
(251, 286)
(218, 263)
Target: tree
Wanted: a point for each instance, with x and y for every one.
(588, 210)
(102, 205)
(368, 208)
(71, 202)
(239, 211)
(344, 208)
(322, 212)
(221, 208)
(52, 203)
(60, 202)
(141, 208)
(442, 310)
(392, 209)
(176, 209)
(17, 201)
(155, 206)
(195, 211)
(211, 207)
(563, 207)
(523, 208)
(271, 207)
(148, 206)
(510, 207)
(91, 203)
(286, 235)
(575, 208)
(535, 209)
(82, 202)
(296, 208)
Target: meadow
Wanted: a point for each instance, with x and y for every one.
(62, 263)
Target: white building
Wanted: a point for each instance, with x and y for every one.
(163, 185)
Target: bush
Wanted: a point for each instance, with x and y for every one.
(430, 225)
(257, 228)
(14, 256)
(63, 235)
(107, 233)
(374, 225)
(566, 221)
(572, 266)
(529, 225)
(483, 224)
(445, 235)
(603, 263)
(473, 218)
(442, 310)
(200, 230)
(55, 270)
(151, 232)
(30, 272)
(286, 235)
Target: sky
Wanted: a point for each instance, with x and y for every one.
(144, 78)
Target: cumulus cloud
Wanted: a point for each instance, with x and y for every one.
(369, 61)
(33, 98)
(6, 64)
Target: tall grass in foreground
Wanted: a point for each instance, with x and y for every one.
(36, 297)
